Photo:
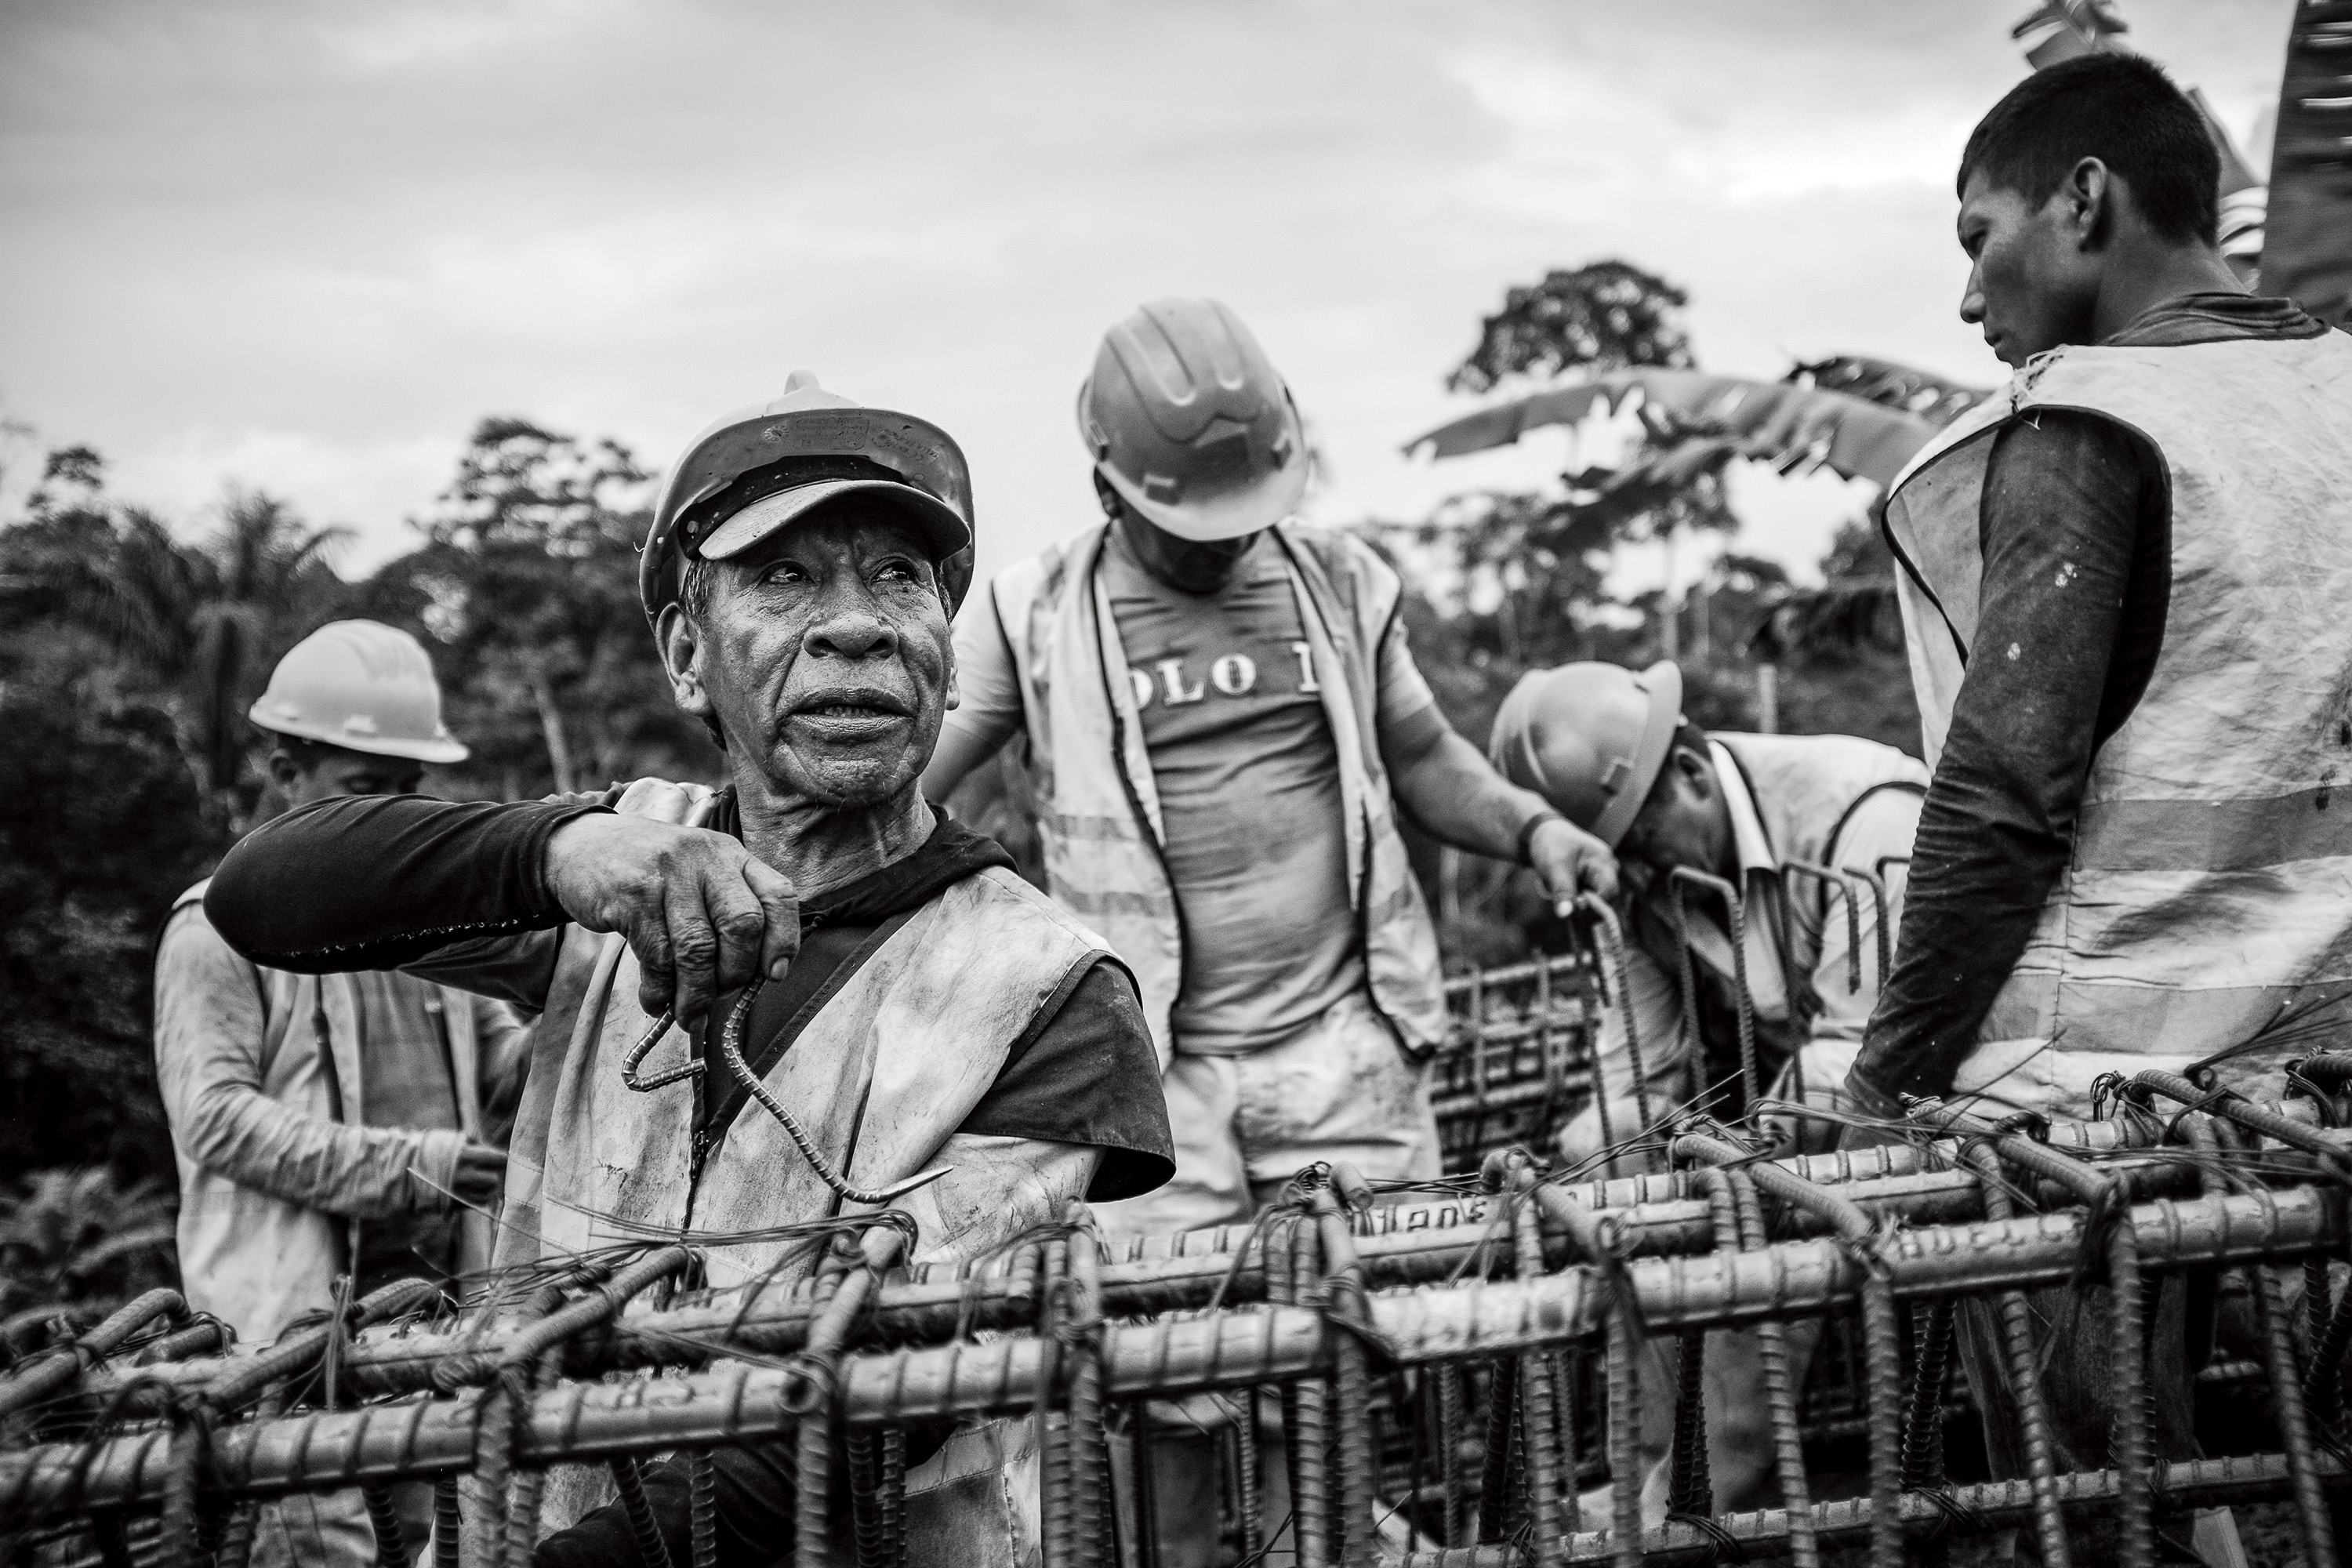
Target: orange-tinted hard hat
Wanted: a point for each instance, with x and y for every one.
(1589, 738)
(753, 470)
(1186, 418)
(363, 686)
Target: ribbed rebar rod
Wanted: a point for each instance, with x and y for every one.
(1538, 1416)
(2105, 1198)
(2276, 1328)
(1171, 1357)
(1343, 1288)
(1656, 1215)
(2089, 1496)
(1748, 1235)
(1881, 1334)
(2022, 1362)
(1090, 1461)
(47, 1372)
(1056, 1526)
(1612, 937)
(1308, 1437)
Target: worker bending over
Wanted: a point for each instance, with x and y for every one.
(333, 1134)
(1224, 721)
(2124, 582)
(895, 987)
(1764, 814)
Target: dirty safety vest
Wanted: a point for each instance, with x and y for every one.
(880, 1079)
(1098, 817)
(2208, 901)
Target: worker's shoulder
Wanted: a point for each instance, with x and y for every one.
(1045, 571)
(1355, 570)
(1847, 762)
(998, 895)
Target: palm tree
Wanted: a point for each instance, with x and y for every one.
(197, 622)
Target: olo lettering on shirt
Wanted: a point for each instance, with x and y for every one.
(1230, 675)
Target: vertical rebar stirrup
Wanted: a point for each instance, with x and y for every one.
(1682, 875)
(1612, 937)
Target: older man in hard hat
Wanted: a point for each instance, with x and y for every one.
(1810, 834)
(1226, 728)
(811, 943)
(333, 1133)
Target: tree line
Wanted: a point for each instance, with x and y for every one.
(130, 651)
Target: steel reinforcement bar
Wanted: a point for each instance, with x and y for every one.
(1168, 1358)
(1161, 1275)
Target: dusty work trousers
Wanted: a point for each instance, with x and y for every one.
(1341, 1089)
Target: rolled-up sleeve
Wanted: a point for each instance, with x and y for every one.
(210, 1024)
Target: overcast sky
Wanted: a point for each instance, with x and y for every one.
(305, 246)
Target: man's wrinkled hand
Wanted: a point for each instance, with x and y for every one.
(1572, 861)
(702, 914)
(481, 1174)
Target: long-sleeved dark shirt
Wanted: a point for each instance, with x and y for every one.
(2075, 529)
(458, 888)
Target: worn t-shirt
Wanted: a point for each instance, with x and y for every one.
(1248, 778)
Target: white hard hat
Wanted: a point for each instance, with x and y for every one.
(1591, 739)
(1189, 421)
(363, 686)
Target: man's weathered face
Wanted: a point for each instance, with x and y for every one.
(2032, 284)
(1683, 822)
(824, 655)
(337, 772)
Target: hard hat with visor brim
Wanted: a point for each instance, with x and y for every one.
(760, 467)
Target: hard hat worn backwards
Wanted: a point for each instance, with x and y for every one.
(363, 686)
(766, 466)
(1591, 739)
(1188, 421)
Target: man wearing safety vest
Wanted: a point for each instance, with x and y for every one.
(1811, 833)
(332, 1132)
(1224, 721)
(2124, 581)
(810, 950)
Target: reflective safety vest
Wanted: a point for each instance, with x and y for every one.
(880, 1079)
(1099, 819)
(2208, 901)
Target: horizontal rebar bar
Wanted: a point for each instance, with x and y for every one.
(1168, 1358)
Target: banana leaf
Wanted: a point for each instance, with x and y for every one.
(1792, 427)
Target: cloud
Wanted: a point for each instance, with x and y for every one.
(309, 247)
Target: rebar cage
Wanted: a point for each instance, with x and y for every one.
(1425, 1374)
